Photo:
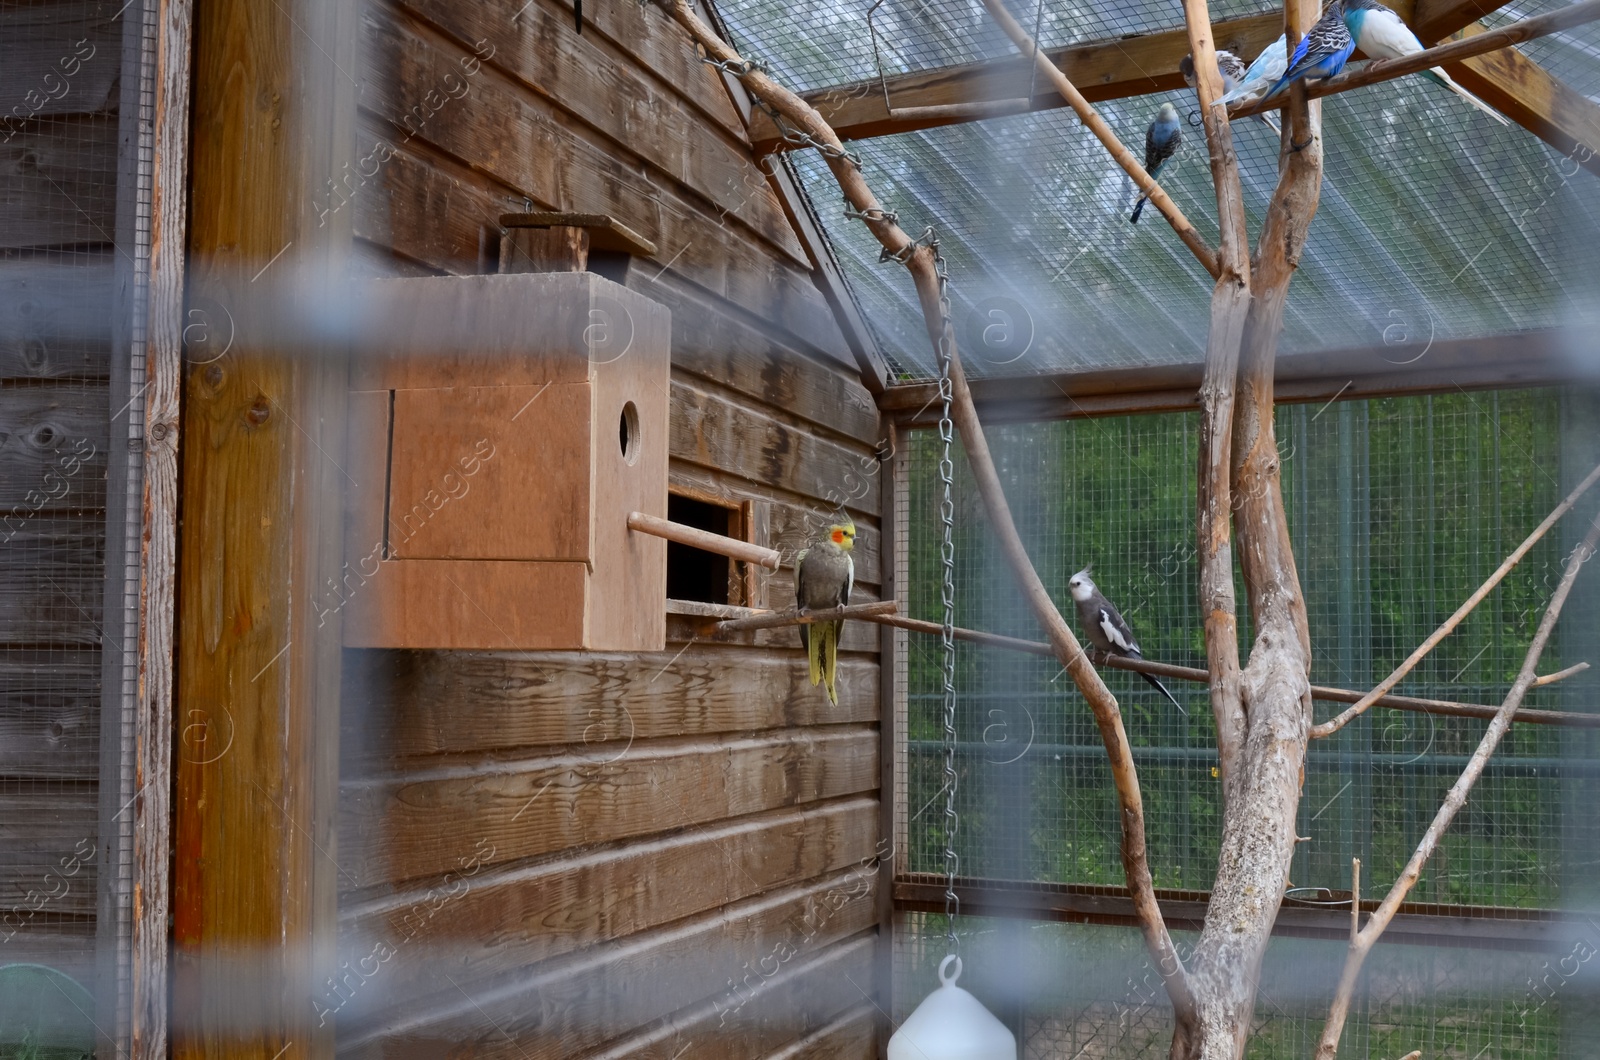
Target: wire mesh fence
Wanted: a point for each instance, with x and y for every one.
(1398, 509)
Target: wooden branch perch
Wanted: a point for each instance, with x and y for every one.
(721, 544)
(1455, 51)
(918, 258)
(795, 616)
(1364, 940)
(1412, 704)
(1097, 125)
(1560, 675)
(1334, 724)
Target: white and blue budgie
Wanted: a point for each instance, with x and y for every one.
(1161, 141)
(1382, 34)
(1260, 76)
(1234, 73)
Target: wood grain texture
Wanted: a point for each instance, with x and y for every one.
(499, 921)
(531, 43)
(577, 1003)
(530, 147)
(737, 440)
(52, 449)
(415, 824)
(51, 580)
(25, 356)
(1434, 20)
(45, 834)
(410, 705)
(58, 58)
(58, 183)
(49, 714)
(253, 885)
(718, 347)
(775, 1022)
(57, 303)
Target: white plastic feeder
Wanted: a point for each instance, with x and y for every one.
(951, 1024)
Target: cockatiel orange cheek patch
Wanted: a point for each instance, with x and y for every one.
(838, 537)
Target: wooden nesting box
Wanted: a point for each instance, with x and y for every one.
(502, 428)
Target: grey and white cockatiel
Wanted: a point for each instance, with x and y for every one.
(823, 575)
(1105, 627)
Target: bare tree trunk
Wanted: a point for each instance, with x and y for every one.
(1274, 694)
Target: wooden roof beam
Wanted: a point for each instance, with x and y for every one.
(1531, 96)
(1111, 68)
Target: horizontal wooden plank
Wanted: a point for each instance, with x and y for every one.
(788, 1019)
(419, 824)
(495, 921)
(49, 714)
(58, 58)
(41, 357)
(533, 43)
(719, 347)
(852, 1036)
(656, 45)
(57, 302)
(65, 944)
(717, 433)
(47, 871)
(52, 449)
(52, 579)
(404, 705)
(521, 141)
(580, 1002)
(1114, 68)
(58, 183)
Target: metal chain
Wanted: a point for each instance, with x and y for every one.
(799, 138)
(947, 593)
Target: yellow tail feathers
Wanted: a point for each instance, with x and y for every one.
(822, 651)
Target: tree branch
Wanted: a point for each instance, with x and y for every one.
(1455, 51)
(1364, 940)
(1230, 306)
(1097, 125)
(1334, 724)
(918, 259)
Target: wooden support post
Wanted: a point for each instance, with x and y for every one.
(255, 870)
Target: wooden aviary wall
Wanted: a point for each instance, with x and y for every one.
(587, 854)
(59, 64)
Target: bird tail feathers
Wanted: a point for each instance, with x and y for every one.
(1444, 79)
(1159, 687)
(1139, 208)
(822, 652)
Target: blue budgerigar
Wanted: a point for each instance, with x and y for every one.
(1161, 140)
(1321, 53)
(1382, 34)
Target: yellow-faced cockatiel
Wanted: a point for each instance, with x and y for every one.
(823, 575)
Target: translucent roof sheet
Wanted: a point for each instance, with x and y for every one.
(1434, 219)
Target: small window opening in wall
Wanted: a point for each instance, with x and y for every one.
(628, 433)
(695, 574)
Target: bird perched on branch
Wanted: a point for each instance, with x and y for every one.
(1380, 33)
(1161, 140)
(1262, 73)
(823, 575)
(1322, 53)
(1105, 628)
(1234, 73)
